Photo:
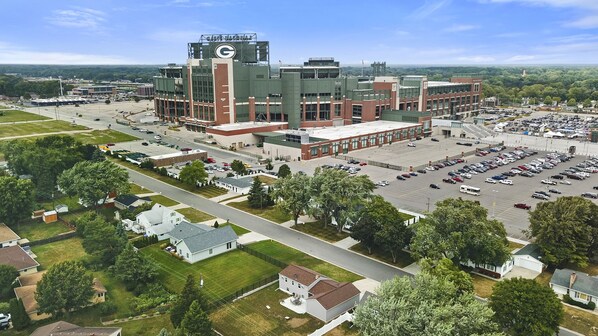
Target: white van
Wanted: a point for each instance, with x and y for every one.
(157, 137)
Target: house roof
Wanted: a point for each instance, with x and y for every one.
(17, 257)
(62, 328)
(302, 275)
(583, 282)
(27, 295)
(336, 296)
(155, 215)
(31, 279)
(532, 250)
(128, 200)
(185, 229)
(243, 182)
(7, 234)
(98, 287)
(209, 239)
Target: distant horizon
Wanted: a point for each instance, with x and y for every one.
(366, 66)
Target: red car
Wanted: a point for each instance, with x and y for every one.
(448, 180)
(363, 163)
(210, 160)
(523, 206)
(457, 178)
(406, 175)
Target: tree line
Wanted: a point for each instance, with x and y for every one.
(14, 86)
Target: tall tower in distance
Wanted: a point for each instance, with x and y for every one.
(378, 69)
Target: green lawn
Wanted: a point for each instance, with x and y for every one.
(232, 198)
(238, 230)
(514, 245)
(136, 189)
(117, 293)
(403, 259)
(15, 115)
(34, 128)
(316, 229)
(291, 256)
(194, 215)
(71, 201)
(581, 321)
(37, 229)
(267, 180)
(249, 316)
(149, 326)
(270, 213)
(223, 274)
(165, 201)
(53, 253)
(482, 286)
(99, 137)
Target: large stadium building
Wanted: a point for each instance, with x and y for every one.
(228, 89)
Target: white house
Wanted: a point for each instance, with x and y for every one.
(159, 220)
(325, 298)
(7, 236)
(579, 286)
(528, 257)
(195, 242)
(240, 185)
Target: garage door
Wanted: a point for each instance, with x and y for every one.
(530, 264)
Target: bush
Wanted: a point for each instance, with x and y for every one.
(216, 224)
(147, 164)
(145, 241)
(107, 308)
(589, 305)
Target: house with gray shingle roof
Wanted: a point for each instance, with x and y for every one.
(579, 286)
(240, 185)
(195, 242)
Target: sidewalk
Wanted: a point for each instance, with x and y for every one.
(346, 243)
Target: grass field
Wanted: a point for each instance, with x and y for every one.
(149, 326)
(581, 321)
(165, 201)
(222, 274)
(291, 256)
(238, 230)
(98, 137)
(514, 245)
(249, 316)
(71, 201)
(270, 213)
(53, 253)
(267, 180)
(136, 189)
(403, 259)
(37, 229)
(194, 215)
(482, 286)
(35, 128)
(16, 115)
(316, 229)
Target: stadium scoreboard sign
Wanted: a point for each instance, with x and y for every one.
(244, 48)
(229, 37)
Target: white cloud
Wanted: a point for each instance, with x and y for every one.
(476, 59)
(520, 58)
(580, 4)
(460, 28)
(585, 22)
(428, 8)
(10, 54)
(85, 18)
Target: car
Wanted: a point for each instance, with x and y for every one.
(211, 160)
(527, 174)
(406, 175)
(430, 168)
(411, 144)
(135, 128)
(434, 139)
(413, 173)
(399, 177)
(247, 165)
(96, 119)
(352, 161)
(157, 137)
(363, 163)
(457, 178)
(540, 196)
(554, 191)
(507, 182)
(595, 188)
(499, 177)
(469, 144)
(490, 180)
(548, 182)
(149, 132)
(566, 182)
(434, 186)
(142, 130)
(542, 192)
(385, 182)
(186, 149)
(144, 144)
(422, 171)
(522, 206)
(589, 195)
(448, 180)
(4, 320)
(109, 144)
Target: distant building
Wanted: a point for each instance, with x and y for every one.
(145, 91)
(94, 90)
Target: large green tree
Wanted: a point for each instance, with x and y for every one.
(257, 197)
(421, 306)
(238, 167)
(444, 268)
(190, 293)
(8, 275)
(93, 181)
(66, 286)
(101, 241)
(460, 230)
(17, 199)
(284, 171)
(194, 174)
(566, 230)
(293, 194)
(525, 307)
(20, 319)
(132, 269)
(196, 321)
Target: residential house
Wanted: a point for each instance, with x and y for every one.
(195, 242)
(579, 286)
(26, 292)
(325, 298)
(528, 257)
(130, 202)
(7, 236)
(62, 328)
(17, 257)
(158, 221)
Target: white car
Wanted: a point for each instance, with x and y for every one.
(507, 182)
(548, 182)
(466, 175)
(489, 180)
(157, 137)
(411, 144)
(430, 168)
(566, 182)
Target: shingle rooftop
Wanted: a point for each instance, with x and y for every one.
(583, 282)
(209, 239)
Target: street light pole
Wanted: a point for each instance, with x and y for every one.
(494, 192)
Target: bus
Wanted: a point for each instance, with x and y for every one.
(470, 190)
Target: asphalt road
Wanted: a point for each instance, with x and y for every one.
(322, 250)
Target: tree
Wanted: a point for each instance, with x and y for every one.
(284, 171)
(269, 166)
(132, 269)
(8, 275)
(136, 99)
(238, 167)
(572, 102)
(16, 199)
(194, 174)
(20, 319)
(101, 241)
(257, 196)
(66, 286)
(93, 181)
(393, 235)
(548, 100)
(293, 194)
(566, 230)
(444, 268)
(460, 230)
(421, 306)
(191, 292)
(164, 332)
(196, 322)
(373, 216)
(525, 307)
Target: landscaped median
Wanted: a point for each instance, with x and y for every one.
(270, 213)
(7, 116)
(38, 128)
(317, 229)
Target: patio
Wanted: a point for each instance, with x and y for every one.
(298, 305)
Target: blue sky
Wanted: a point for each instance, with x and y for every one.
(398, 32)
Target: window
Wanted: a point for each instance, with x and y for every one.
(325, 149)
(314, 151)
(293, 283)
(372, 140)
(364, 142)
(299, 285)
(187, 255)
(355, 143)
(229, 245)
(210, 251)
(335, 148)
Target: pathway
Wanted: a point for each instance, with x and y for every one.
(346, 243)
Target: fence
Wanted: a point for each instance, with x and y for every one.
(238, 293)
(58, 237)
(262, 256)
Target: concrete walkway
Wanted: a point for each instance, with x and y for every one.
(148, 194)
(179, 206)
(239, 199)
(225, 196)
(346, 243)
(332, 324)
(251, 237)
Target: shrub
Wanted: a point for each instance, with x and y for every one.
(107, 308)
(145, 241)
(216, 224)
(589, 305)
